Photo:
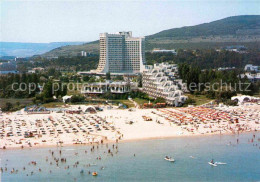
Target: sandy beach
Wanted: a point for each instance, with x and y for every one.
(20, 129)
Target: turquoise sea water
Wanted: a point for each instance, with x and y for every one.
(243, 161)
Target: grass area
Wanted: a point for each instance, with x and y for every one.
(127, 102)
(199, 99)
(23, 102)
(140, 101)
(59, 104)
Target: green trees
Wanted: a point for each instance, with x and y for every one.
(206, 59)
(92, 79)
(11, 105)
(108, 76)
(19, 85)
(140, 80)
(159, 100)
(119, 78)
(46, 95)
(111, 96)
(8, 106)
(51, 89)
(77, 98)
(220, 85)
(190, 75)
(189, 101)
(85, 78)
(66, 64)
(132, 94)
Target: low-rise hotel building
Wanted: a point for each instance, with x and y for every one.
(161, 80)
(104, 87)
(250, 67)
(173, 51)
(252, 77)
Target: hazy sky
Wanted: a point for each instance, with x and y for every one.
(78, 20)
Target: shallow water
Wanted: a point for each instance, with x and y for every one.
(243, 161)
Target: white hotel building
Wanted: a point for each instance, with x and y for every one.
(161, 80)
(121, 53)
(108, 86)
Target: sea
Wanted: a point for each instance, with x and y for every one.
(142, 161)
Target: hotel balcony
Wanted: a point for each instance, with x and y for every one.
(93, 91)
(119, 90)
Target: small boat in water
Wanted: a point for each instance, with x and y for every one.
(169, 159)
(94, 174)
(220, 163)
(212, 164)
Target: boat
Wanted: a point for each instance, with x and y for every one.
(212, 164)
(220, 163)
(169, 159)
(94, 174)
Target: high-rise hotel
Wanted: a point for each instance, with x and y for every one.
(121, 53)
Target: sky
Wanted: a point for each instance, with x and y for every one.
(83, 20)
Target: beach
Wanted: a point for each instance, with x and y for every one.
(22, 130)
(131, 144)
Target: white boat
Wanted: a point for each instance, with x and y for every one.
(212, 164)
(169, 159)
(220, 163)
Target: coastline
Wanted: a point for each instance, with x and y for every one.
(116, 125)
(129, 140)
(133, 157)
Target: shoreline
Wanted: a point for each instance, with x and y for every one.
(129, 140)
(117, 125)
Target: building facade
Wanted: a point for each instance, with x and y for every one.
(250, 67)
(252, 77)
(104, 87)
(173, 51)
(162, 81)
(121, 53)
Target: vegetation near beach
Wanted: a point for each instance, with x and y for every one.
(194, 67)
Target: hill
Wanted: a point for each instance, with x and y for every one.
(73, 50)
(21, 49)
(236, 30)
(235, 25)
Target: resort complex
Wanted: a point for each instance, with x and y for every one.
(161, 80)
(129, 91)
(121, 53)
